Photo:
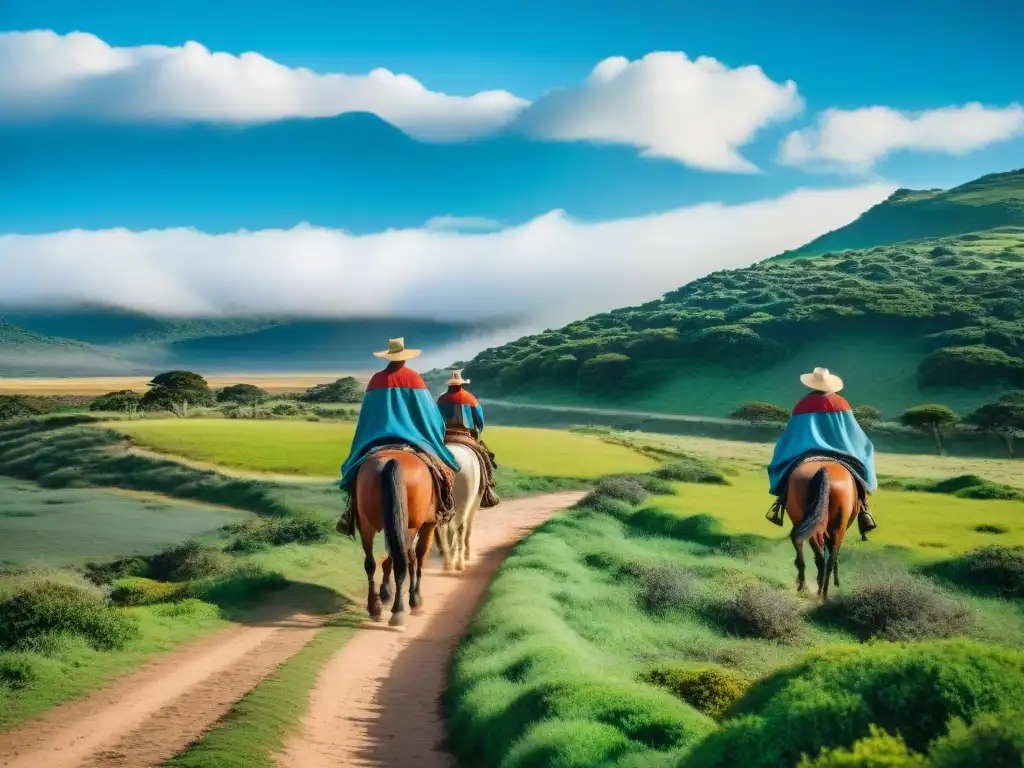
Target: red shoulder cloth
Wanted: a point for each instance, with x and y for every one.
(820, 402)
(457, 396)
(396, 378)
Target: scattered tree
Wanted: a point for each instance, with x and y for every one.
(244, 394)
(931, 419)
(344, 390)
(1004, 419)
(758, 413)
(177, 391)
(867, 416)
(121, 400)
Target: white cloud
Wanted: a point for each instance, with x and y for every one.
(43, 74)
(858, 138)
(698, 112)
(547, 271)
(462, 222)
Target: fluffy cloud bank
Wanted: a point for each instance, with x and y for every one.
(857, 139)
(547, 271)
(698, 112)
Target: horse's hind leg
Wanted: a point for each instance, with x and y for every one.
(385, 584)
(374, 606)
(801, 566)
(819, 560)
(422, 548)
(460, 545)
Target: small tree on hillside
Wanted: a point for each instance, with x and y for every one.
(244, 394)
(931, 419)
(758, 413)
(867, 416)
(177, 391)
(119, 401)
(603, 374)
(1003, 419)
(344, 390)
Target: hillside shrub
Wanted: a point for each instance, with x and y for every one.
(604, 373)
(709, 689)
(877, 750)
(832, 696)
(628, 489)
(691, 470)
(993, 568)
(17, 672)
(23, 406)
(664, 588)
(898, 606)
(105, 573)
(759, 612)
(238, 586)
(756, 413)
(265, 532)
(186, 562)
(969, 367)
(137, 590)
(991, 740)
(49, 608)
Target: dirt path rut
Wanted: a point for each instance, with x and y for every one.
(377, 702)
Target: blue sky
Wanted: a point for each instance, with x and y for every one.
(565, 170)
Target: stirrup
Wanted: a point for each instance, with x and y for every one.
(775, 517)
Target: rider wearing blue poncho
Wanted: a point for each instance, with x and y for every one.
(823, 425)
(396, 409)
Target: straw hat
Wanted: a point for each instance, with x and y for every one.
(456, 379)
(822, 380)
(396, 351)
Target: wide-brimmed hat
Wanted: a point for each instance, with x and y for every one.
(396, 351)
(822, 380)
(456, 378)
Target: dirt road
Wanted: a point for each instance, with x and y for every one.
(381, 681)
(377, 702)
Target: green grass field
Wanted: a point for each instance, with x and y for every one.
(318, 449)
(74, 526)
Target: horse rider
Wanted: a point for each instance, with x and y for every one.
(459, 409)
(823, 427)
(464, 422)
(396, 409)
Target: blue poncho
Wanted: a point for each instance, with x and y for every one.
(397, 408)
(822, 422)
(460, 409)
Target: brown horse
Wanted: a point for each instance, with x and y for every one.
(822, 502)
(395, 494)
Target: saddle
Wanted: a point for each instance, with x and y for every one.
(865, 522)
(461, 436)
(442, 475)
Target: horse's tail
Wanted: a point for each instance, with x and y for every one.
(817, 505)
(395, 514)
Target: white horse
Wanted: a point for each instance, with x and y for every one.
(453, 536)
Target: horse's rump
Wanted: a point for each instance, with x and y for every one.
(486, 460)
(442, 475)
(775, 512)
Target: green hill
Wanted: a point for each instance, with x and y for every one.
(939, 320)
(991, 202)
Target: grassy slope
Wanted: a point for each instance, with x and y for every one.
(318, 448)
(996, 200)
(549, 671)
(746, 334)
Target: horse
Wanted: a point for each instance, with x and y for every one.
(822, 502)
(454, 535)
(395, 495)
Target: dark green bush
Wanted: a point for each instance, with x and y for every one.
(760, 612)
(263, 532)
(691, 470)
(628, 489)
(993, 568)
(832, 696)
(104, 573)
(186, 562)
(898, 606)
(710, 689)
(47, 608)
(16, 672)
(237, 587)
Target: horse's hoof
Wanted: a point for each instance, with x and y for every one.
(376, 612)
(460, 566)
(397, 620)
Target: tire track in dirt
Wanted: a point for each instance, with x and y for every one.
(150, 715)
(377, 702)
